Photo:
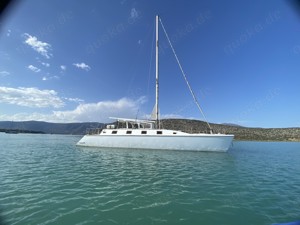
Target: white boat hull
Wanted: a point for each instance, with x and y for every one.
(193, 142)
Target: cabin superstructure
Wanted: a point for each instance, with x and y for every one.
(124, 126)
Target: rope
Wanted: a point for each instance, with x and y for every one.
(150, 64)
(185, 78)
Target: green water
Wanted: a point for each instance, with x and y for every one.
(46, 179)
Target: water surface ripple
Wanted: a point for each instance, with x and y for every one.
(46, 179)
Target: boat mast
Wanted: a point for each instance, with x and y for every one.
(156, 62)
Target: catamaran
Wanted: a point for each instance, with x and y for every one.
(148, 134)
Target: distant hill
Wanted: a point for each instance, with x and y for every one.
(232, 124)
(189, 126)
(241, 133)
(50, 128)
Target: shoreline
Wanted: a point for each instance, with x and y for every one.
(189, 126)
(291, 141)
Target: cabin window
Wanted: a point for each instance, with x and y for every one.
(144, 132)
(114, 132)
(174, 133)
(159, 132)
(128, 132)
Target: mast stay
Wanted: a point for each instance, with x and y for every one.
(183, 74)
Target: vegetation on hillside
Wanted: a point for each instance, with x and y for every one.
(240, 133)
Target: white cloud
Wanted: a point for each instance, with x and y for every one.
(4, 73)
(82, 66)
(27, 117)
(63, 67)
(101, 111)
(78, 100)
(165, 116)
(96, 112)
(4, 55)
(134, 13)
(34, 69)
(30, 97)
(8, 33)
(171, 116)
(45, 64)
(45, 78)
(42, 48)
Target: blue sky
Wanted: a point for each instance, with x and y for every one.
(81, 61)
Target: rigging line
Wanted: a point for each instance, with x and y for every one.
(185, 78)
(134, 68)
(150, 64)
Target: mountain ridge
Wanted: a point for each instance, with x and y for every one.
(50, 128)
